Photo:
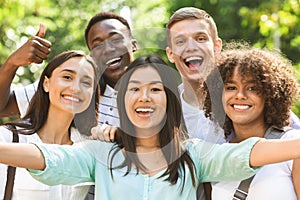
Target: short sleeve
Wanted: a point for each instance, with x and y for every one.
(225, 162)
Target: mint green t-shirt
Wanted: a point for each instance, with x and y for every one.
(88, 161)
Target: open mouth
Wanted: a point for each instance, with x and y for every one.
(71, 98)
(113, 62)
(241, 106)
(193, 62)
(144, 110)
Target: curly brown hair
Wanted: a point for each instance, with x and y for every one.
(273, 76)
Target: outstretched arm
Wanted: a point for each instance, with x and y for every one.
(272, 151)
(35, 50)
(296, 176)
(22, 155)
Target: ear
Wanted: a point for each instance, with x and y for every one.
(46, 84)
(170, 54)
(218, 45)
(134, 45)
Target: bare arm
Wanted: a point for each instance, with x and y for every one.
(274, 151)
(35, 50)
(22, 155)
(296, 176)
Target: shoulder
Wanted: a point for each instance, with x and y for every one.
(291, 133)
(5, 134)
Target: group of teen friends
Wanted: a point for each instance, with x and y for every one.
(229, 119)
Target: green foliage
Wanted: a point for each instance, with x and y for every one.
(263, 23)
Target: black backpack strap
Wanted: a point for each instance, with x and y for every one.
(11, 171)
(241, 192)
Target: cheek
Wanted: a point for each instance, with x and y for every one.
(88, 95)
(128, 102)
(177, 52)
(161, 103)
(261, 104)
(224, 98)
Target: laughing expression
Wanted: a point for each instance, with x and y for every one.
(112, 48)
(145, 100)
(70, 86)
(192, 49)
(242, 102)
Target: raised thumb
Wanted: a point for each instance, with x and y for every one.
(42, 31)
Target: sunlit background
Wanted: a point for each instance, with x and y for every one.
(263, 23)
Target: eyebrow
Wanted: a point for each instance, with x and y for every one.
(151, 82)
(109, 35)
(178, 35)
(233, 82)
(74, 72)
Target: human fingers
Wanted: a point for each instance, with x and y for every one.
(37, 52)
(112, 133)
(40, 52)
(43, 42)
(97, 133)
(42, 31)
(106, 129)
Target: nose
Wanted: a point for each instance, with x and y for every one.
(144, 97)
(241, 94)
(108, 46)
(75, 86)
(191, 44)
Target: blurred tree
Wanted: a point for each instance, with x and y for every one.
(263, 23)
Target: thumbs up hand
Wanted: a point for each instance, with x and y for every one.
(35, 50)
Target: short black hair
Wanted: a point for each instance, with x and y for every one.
(103, 16)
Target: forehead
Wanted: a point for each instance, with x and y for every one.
(105, 27)
(189, 27)
(145, 75)
(79, 65)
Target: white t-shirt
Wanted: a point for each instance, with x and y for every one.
(27, 188)
(24, 95)
(199, 126)
(272, 181)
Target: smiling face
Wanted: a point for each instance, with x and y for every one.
(70, 86)
(111, 47)
(145, 100)
(192, 48)
(242, 101)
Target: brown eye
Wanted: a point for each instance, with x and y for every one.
(67, 77)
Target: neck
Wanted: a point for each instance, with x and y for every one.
(147, 143)
(194, 93)
(56, 128)
(243, 132)
(150, 155)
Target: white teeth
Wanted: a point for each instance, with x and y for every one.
(193, 58)
(241, 107)
(151, 110)
(113, 60)
(71, 98)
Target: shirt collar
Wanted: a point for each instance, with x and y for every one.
(109, 91)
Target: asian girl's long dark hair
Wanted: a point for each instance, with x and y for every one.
(170, 134)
